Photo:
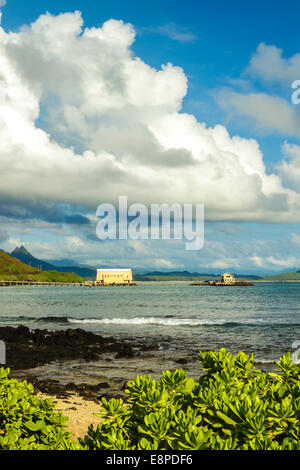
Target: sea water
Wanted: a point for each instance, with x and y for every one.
(263, 319)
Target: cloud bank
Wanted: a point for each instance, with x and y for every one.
(82, 121)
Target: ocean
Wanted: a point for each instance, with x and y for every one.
(263, 319)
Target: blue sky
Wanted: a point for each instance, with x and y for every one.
(239, 60)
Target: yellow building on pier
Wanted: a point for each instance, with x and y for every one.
(108, 277)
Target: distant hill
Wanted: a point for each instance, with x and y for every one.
(63, 262)
(83, 272)
(177, 273)
(22, 254)
(186, 276)
(292, 276)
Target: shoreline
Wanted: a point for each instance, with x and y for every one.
(31, 352)
(26, 348)
(61, 363)
(78, 368)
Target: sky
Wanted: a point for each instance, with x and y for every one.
(165, 102)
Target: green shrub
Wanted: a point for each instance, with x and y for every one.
(233, 406)
(28, 422)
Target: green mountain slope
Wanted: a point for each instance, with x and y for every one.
(14, 270)
(10, 266)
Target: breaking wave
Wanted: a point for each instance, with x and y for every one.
(174, 322)
(162, 321)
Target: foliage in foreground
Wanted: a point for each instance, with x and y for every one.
(233, 406)
(28, 422)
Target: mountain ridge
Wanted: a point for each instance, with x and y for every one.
(23, 255)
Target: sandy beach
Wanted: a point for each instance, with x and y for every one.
(79, 411)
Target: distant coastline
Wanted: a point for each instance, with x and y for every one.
(20, 265)
(185, 282)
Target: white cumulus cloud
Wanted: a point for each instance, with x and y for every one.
(2, 4)
(270, 113)
(269, 64)
(82, 121)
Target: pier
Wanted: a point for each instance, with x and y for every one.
(219, 283)
(35, 283)
(50, 284)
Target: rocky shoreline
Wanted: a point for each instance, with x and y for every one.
(28, 349)
(59, 390)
